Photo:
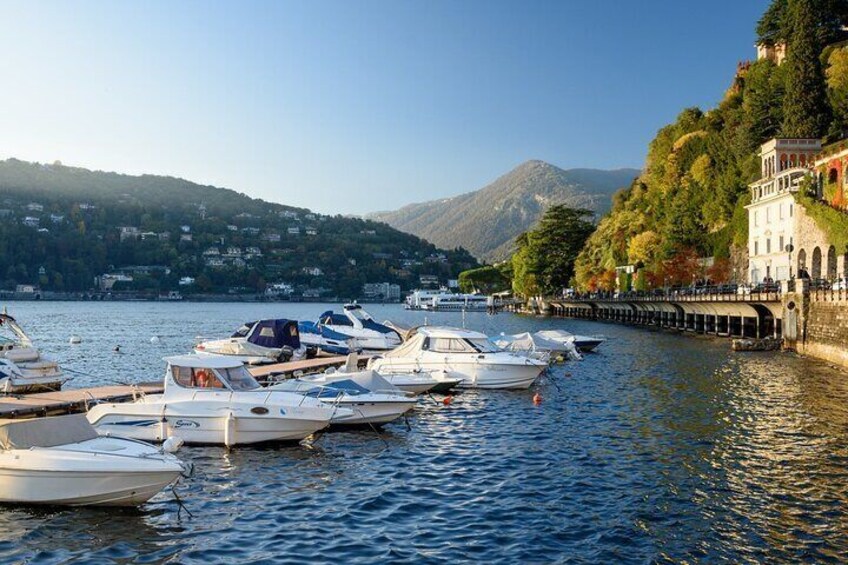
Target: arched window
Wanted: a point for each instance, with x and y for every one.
(817, 264)
(831, 263)
(802, 260)
(832, 175)
(802, 160)
(792, 161)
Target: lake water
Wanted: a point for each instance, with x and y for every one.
(659, 448)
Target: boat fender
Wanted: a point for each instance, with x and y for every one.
(537, 399)
(447, 400)
(230, 430)
(172, 444)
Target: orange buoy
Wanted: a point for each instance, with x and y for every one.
(447, 400)
(537, 399)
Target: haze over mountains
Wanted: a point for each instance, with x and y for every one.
(487, 221)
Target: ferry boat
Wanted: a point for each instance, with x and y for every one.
(422, 296)
(458, 303)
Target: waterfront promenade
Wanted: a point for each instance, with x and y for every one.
(809, 319)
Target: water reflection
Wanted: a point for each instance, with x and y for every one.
(658, 448)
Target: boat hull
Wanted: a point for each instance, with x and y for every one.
(147, 423)
(472, 374)
(107, 488)
(373, 412)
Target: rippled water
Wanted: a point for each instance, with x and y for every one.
(657, 448)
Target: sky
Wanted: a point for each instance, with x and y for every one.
(353, 106)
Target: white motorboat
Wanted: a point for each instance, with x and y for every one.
(581, 342)
(356, 323)
(414, 382)
(322, 341)
(62, 461)
(463, 354)
(22, 368)
(370, 398)
(538, 347)
(257, 342)
(212, 399)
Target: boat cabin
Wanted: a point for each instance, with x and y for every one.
(208, 372)
(445, 340)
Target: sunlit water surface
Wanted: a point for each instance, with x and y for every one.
(657, 448)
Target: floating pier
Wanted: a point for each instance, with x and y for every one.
(70, 401)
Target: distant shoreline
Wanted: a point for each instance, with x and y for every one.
(47, 296)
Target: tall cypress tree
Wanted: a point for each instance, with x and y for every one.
(805, 109)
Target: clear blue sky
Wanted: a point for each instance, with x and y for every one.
(356, 106)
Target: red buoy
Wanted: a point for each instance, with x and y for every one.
(537, 399)
(447, 400)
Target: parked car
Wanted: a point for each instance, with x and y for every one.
(743, 289)
(840, 284)
(821, 284)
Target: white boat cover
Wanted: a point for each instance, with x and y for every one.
(527, 342)
(370, 380)
(45, 432)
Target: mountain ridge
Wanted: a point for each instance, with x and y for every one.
(521, 196)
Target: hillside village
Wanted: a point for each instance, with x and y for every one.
(124, 244)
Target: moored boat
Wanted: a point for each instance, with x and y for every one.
(61, 460)
(212, 399)
(581, 342)
(462, 354)
(369, 398)
(22, 367)
(356, 323)
(257, 342)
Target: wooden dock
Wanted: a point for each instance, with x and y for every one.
(69, 401)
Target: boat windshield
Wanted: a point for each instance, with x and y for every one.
(239, 378)
(359, 314)
(196, 377)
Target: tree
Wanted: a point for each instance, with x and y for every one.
(545, 256)
(771, 28)
(837, 82)
(805, 109)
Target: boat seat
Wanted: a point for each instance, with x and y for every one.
(45, 432)
(22, 354)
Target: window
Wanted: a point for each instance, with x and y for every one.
(756, 247)
(768, 246)
(240, 379)
(768, 209)
(190, 377)
(782, 247)
(781, 210)
(449, 345)
(482, 345)
(790, 210)
(756, 218)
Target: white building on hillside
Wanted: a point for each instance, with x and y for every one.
(771, 213)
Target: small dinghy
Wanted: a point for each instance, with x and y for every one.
(62, 461)
(581, 342)
(370, 398)
(257, 342)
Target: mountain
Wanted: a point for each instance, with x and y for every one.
(63, 226)
(487, 221)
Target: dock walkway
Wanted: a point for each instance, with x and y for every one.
(69, 401)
